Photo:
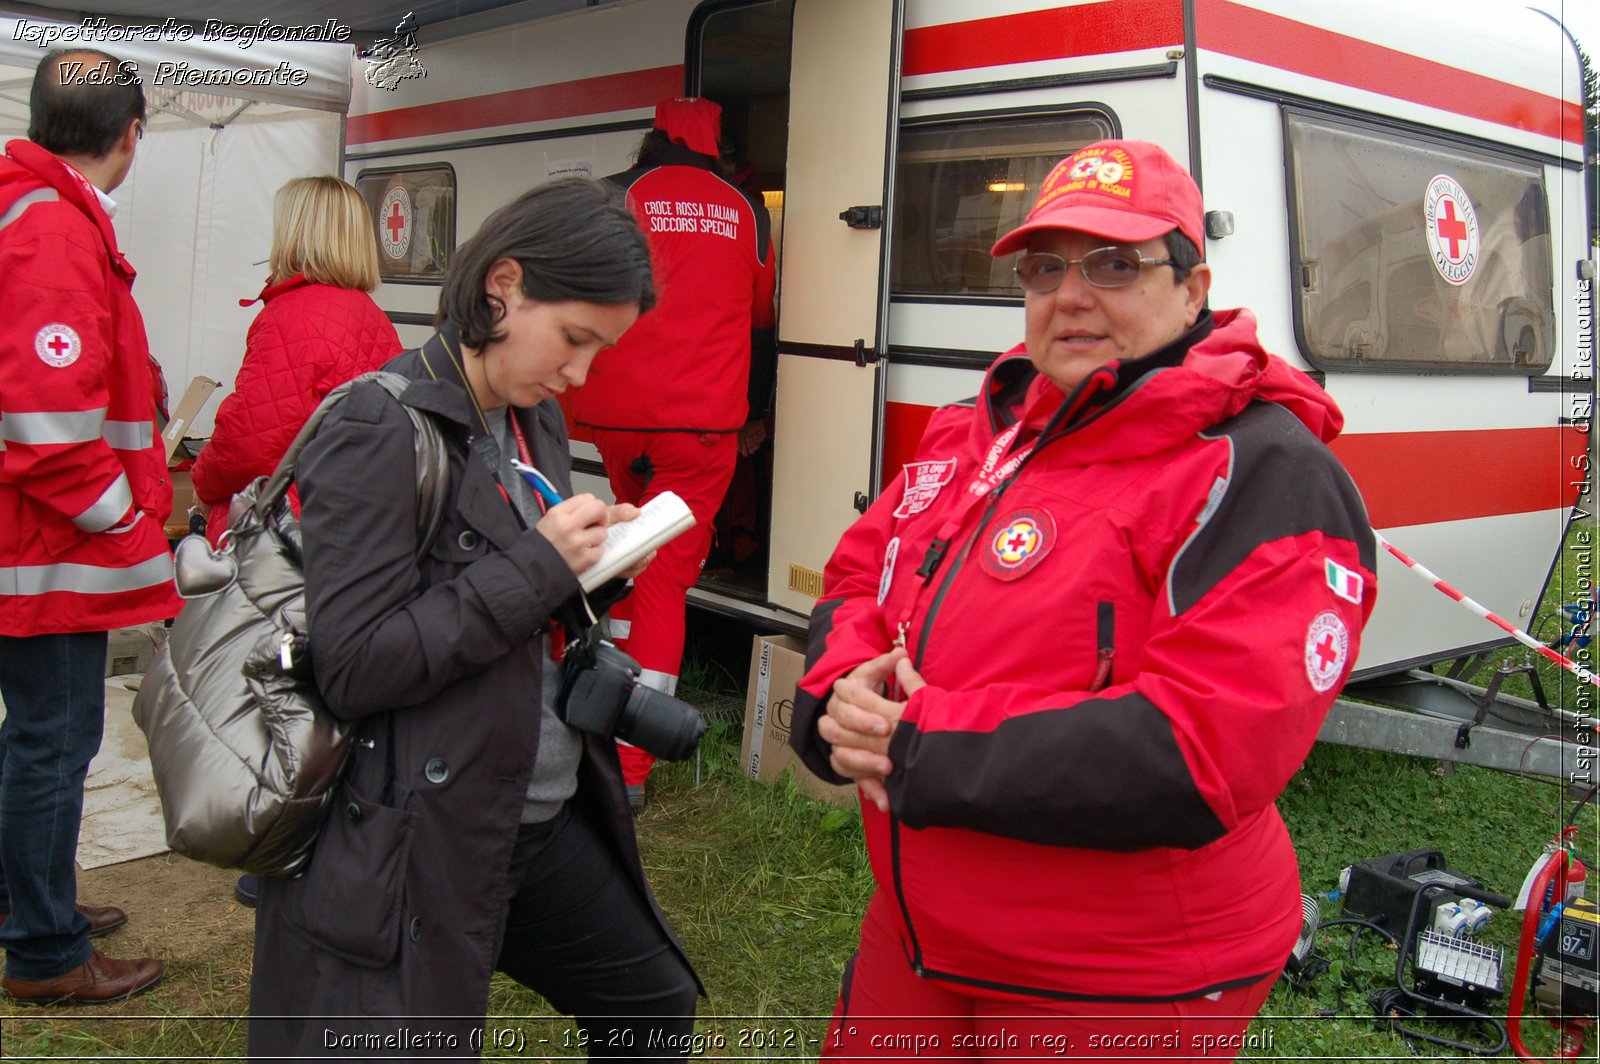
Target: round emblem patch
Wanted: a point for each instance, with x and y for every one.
(394, 223)
(1085, 166)
(1110, 172)
(1327, 647)
(57, 344)
(1018, 542)
(1451, 224)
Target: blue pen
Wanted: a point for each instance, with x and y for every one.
(538, 482)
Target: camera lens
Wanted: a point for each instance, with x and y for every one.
(661, 724)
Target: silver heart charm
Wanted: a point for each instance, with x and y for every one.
(199, 570)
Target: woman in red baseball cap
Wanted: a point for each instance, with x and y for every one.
(1073, 654)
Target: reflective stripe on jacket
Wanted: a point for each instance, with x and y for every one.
(84, 488)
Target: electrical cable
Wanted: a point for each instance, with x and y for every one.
(1388, 1010)
(1522, 772)
(1585, 800)
(1359, 925)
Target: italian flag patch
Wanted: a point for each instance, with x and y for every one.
(1346, 583)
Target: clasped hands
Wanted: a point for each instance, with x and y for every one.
(863, 710)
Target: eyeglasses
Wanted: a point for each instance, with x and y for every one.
(1040, 271)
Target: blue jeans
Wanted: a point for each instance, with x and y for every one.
(54, 690)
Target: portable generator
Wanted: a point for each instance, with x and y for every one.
(1558, 958)
(1566, 980)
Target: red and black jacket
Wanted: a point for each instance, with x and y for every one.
(1130, 642)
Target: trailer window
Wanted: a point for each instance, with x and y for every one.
(1411, 253)
(414, 214)
(960, 186)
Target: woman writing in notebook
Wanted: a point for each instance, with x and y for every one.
(474, 830)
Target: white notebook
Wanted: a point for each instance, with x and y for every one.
(661, 519)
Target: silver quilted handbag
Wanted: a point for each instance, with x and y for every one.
(244, 752)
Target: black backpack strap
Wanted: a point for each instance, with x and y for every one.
(433, 462)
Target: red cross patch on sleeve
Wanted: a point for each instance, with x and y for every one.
(57, 345)
(1327, 647)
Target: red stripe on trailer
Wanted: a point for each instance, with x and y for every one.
(1247, 33)
(1419, 478)
(563, 99)
(1406, 478)
(1082, 29)
(1273, 40)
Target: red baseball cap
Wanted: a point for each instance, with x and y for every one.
(1124, 190)
(693, 121)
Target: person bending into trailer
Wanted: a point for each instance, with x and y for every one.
(1074, 654)
(688, 389)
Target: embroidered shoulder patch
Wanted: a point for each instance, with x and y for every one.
(1018, 542)
(924, 482)
(1346, 583)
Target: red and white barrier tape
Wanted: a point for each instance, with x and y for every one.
(1482, 611)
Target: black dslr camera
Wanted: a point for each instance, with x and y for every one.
(601, 694)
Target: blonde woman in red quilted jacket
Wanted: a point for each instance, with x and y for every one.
(318, 327)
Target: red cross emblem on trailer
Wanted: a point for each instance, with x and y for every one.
(1451, 225)
(57, 344)
(394, 223)
(1019, 542)
(1327, 647)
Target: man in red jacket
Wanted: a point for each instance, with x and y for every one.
(84, 495)
(689, 386)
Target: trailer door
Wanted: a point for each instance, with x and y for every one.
(843, 97)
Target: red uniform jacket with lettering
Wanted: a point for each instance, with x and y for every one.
(1130, 643)
(84, 488)
(685, 364)
(307, 340)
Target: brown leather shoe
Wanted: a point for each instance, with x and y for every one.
(97, 980)
(103, 919)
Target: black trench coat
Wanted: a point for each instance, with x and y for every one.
(384, 946)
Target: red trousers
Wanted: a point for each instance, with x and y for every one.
(649, 623)
(886, 1011)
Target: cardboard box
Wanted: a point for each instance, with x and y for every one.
(183, 416)
(130, 650)
(182, 499)
(776, 664)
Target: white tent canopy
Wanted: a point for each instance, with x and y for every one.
(195, 214)
(299, 74)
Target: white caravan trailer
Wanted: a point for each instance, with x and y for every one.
(1395, 187)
